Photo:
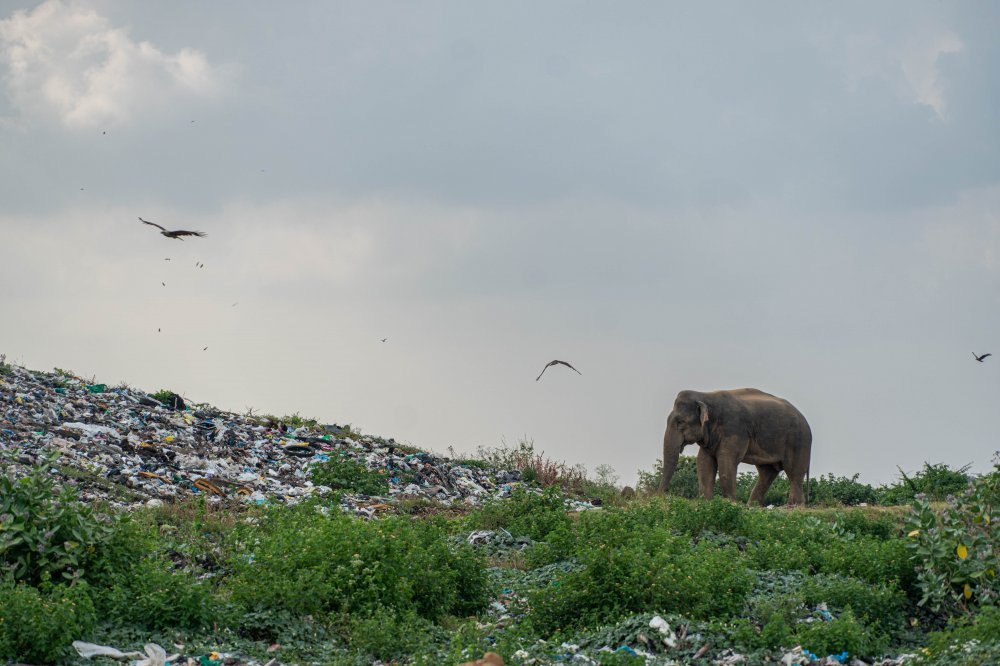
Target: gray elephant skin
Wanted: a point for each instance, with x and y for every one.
(741, 425)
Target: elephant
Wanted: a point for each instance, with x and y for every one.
(740, 425)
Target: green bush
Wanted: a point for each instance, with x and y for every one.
(524, 513)
(387, 635)
(343, 473)
(716, 515)
(957, 551)
(830, 490)
(949, 646)
(935, 481)
(305, 562)
(45, 533)
(842, 634)
(39, 625)
(698, 581)
(152, 595)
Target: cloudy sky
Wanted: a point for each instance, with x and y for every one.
(800, 197)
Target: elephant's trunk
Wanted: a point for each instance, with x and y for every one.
(673, 442)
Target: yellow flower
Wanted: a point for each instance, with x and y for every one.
(962, 551)
(967, 592)
(913, 533)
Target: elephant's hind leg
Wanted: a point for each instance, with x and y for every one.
(795, 496)
(767, 475)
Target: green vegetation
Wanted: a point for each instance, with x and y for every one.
(332, 588)
(343, 473)
(935, 481)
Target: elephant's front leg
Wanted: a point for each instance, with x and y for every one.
(707, 467)
(727, 465)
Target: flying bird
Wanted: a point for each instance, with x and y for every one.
(980, 358)
(173, 234)
(551, 363)
(164, 284)
(205, 348)
(384, 339)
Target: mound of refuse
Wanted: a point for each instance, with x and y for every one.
(126, 447)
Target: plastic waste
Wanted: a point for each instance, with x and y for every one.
(89, 650)
(669, 637)
(123, 447)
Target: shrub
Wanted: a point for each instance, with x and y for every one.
(524, 513)
(830, 490)
(957, 551)
(343, 473)
(716, 515)
(152, 595)
(305, 562)
(388, 635)
(534, 466)
(842, 634)
(698, 581)
(947, 647)
(39, 625)
(45, 533)
(935, 481)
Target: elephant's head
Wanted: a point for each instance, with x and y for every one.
(685, 425)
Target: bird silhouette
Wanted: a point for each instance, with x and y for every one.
(384, 339)
(980, 358)
(551, 363)
(173, 234)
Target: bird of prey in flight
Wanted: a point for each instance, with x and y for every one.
(551, 363)
(980, 358)
(173, 234)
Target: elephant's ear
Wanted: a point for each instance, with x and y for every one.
(703, 409)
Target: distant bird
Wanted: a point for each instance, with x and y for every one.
(204, 348)
(551, 363)
(164, 284)
(980, 358)
(384, 339)
(159, 330)
(235, 304)
(166, 259)
(173, 234)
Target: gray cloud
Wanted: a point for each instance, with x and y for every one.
(669, 197)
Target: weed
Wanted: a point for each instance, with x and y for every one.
(524, 513)
(38, 624)
(343, 473)
(45, 533)
(956, 550)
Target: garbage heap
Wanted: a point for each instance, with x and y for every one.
(125, 447)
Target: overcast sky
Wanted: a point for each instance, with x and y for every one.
(801, 197)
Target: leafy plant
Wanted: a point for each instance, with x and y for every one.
(38, 624)
(152, 595)
(44, 532)
(935, 481)
(303, 561)
(531, 514)
(957, 550)
(341, 472)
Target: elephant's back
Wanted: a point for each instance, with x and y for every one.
(762, 403)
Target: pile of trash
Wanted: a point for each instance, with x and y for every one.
(126, 447)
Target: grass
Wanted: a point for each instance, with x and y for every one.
(409, 587)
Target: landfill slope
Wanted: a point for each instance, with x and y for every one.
(122, 446)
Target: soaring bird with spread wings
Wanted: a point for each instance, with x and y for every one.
(980, 358)
(551, 363)
(173, 234)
